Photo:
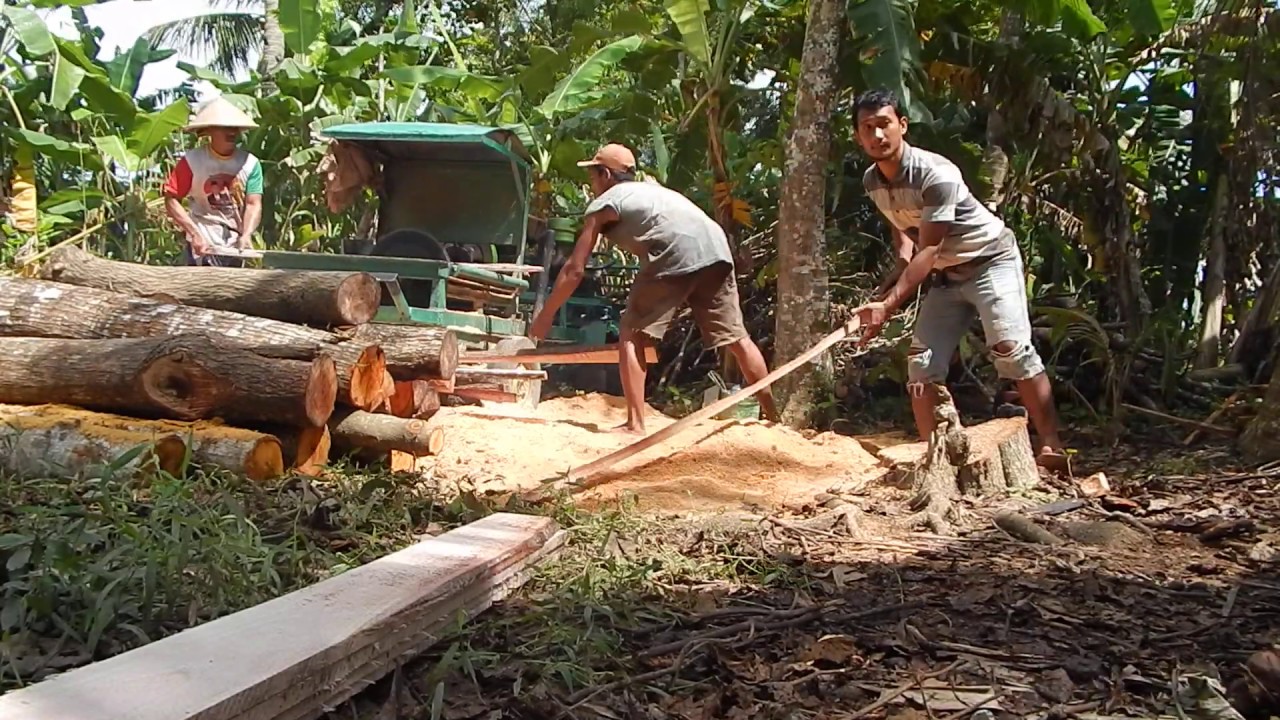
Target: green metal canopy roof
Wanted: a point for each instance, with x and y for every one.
(504, 142)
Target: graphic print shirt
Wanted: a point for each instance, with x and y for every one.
(216, 187)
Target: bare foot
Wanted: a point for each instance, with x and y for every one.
(628, 429)
(1052, 460)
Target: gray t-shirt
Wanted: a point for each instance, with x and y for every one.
(930, 188)
(667, 231)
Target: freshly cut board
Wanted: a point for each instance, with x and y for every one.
(308, 650)
(559, 355)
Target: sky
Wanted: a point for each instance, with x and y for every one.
(123, 21)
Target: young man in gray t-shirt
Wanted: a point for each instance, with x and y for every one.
(684, 260)
(941, 230)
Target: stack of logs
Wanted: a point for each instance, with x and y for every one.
(255, 371)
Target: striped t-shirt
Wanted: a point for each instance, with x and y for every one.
(930, 188)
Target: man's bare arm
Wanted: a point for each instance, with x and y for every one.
(915, 272)
(903, 250)
(252, 218)
(178, 214)
(573, 271)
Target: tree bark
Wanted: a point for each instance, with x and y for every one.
(39, 308)
(252, 454)
(181, 377)
(44, 440)
(306, 297)
(413, 352)
(803, 294)
(273, 46)
(358, 430)
(1214, 296)
(1260, 441)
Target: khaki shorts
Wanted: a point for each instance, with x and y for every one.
(711, 293)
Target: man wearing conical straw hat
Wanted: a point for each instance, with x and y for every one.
(223, 185)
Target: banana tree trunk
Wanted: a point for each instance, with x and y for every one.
(722, 185)
(803, 293)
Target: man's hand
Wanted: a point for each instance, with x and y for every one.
(199, 247)
(872, 317)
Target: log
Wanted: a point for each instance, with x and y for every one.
(307, 297)
(301, 654)
(255, 455)
(183, 377)
(413, 351)
(359, 430)
(305, 450)
(39, 308)
(414, 399)
(42, 441)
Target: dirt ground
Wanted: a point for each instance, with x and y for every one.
(1150, 607)
(729, 464)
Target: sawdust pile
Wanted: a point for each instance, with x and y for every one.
(717, 465)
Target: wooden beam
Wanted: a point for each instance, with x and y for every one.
(299, 655)
(560, 355)
(580, 476)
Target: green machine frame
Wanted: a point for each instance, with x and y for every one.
(462, 184)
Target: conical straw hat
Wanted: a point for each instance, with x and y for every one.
(219, 112)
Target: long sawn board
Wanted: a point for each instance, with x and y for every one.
(327, 640)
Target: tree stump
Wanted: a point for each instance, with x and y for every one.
(993, 458)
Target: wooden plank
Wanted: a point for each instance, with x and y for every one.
(580, 476)
(502, 268)
(561, 355)
(243, 664)
(323, 692)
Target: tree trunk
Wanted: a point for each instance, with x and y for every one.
(48, 309)
(803, 295)
(306, 297)
(43, 441)
(1214, 296)
(358, 430)
(413, 352)
(273, 47)
(722, 189)
(181, 377)
(1260, 441)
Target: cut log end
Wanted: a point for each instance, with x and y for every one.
(368, 386)
(358, 298)
(187, 390)
(322, 391)
(169, 453)
(265, 460)
(435, 441)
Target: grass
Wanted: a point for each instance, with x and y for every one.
(94, 566)
(569, 626)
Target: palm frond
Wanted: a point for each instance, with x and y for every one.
(227, 39)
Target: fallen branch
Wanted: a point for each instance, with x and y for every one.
(904, 688)
(1204, 426)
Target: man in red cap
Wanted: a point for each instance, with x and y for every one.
(684, 259)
